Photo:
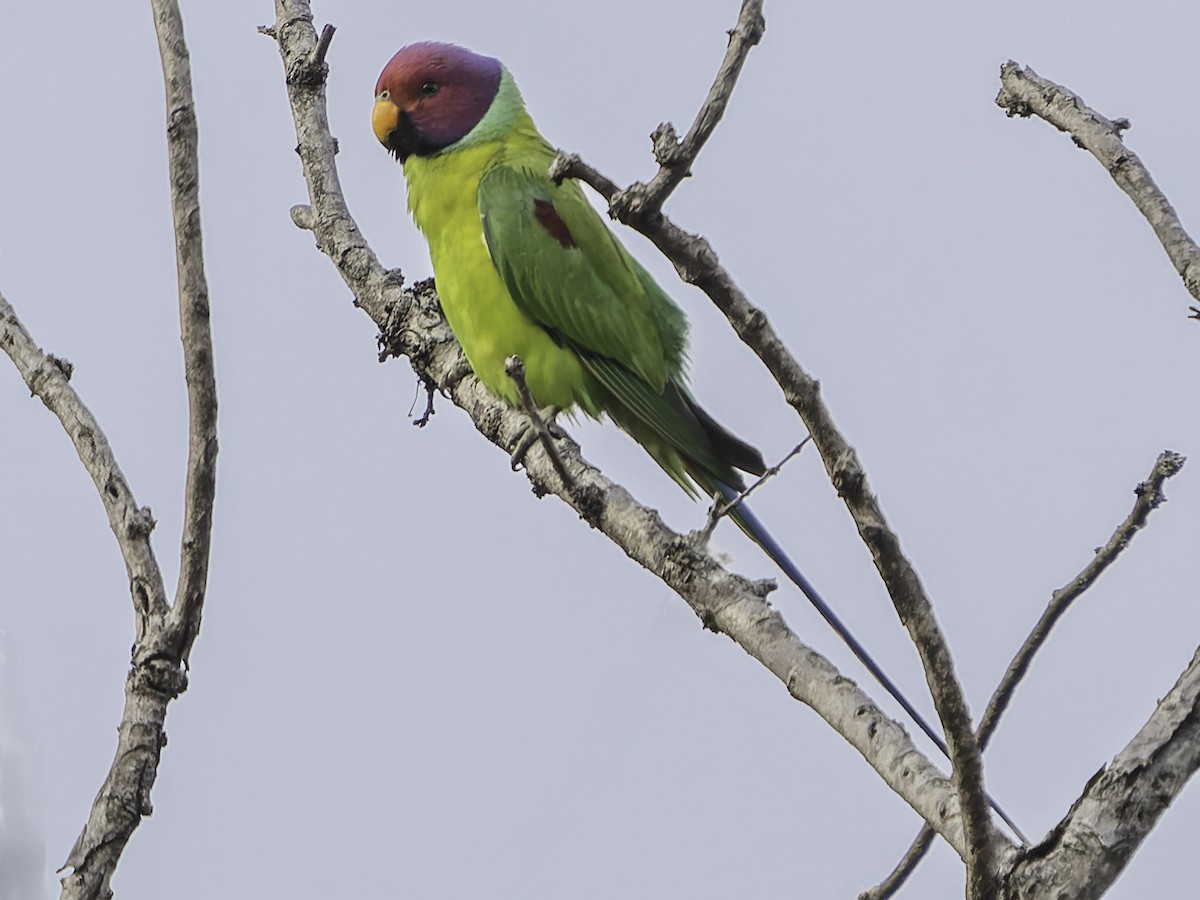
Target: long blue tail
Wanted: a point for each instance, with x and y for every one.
(757, 532)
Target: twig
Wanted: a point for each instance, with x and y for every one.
(1149, 497)
(724, 602)
(1023, 93)
(697, 263)
(131, 524)
(721, 509)
(152, 682)
(572, 165)
(514, 366)
(675, 157)
(907, 865)
(323, 44)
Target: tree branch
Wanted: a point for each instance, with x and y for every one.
(1023, 93)
(1121, 805)
(1149, 497)
(152, 682)
(48, 379)
(904, 869)
(675, 157)
(1089, 849)
(697, 263)
(164, 634)
(194, 326)
(412, 325)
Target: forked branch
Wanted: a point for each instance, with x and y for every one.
(1149, 496)
(164, 632)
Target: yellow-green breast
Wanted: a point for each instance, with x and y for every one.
(443, 198)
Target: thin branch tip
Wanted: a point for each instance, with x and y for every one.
(323, 44)
(571, 165)
(1170, 463)
(302, 216)
(675, 156)
(562, 166)
(1024, 93)
(721, 508)
(667, 147)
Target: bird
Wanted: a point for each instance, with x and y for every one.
(525, 266)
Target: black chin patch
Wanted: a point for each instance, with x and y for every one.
(406, 140)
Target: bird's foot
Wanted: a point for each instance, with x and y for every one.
(543, 427)
(541, 424)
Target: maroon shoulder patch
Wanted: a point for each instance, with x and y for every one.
(548, 218)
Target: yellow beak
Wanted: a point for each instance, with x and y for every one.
(384, 118)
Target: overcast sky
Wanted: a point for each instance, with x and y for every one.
(417, 680)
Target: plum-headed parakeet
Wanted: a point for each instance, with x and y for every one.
(527, 267)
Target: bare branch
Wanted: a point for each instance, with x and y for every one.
(722, 508)
(164, 634)
(1149, 498)
(154, 678)
(47, 378)
(323, 44)
(1024, 93)
(539, 428)
(907, 865)
(412, 325)
(1089, 849)
(1121, 805)
(194, 326)
(697, 263)
(675, 157)
(572, 165)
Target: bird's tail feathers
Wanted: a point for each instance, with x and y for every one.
(757, 532)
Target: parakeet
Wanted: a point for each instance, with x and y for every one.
(526, 267)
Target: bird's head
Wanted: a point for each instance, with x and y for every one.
(432, 95)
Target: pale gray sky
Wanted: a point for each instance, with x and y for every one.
(414, 678)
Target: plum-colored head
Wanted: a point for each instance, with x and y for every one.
(430, 96)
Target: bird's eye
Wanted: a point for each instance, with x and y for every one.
(384, 95)
(429, 88)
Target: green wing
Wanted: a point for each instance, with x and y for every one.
(709, 452)
(567, 272)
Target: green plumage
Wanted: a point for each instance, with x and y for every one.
(527, 267)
